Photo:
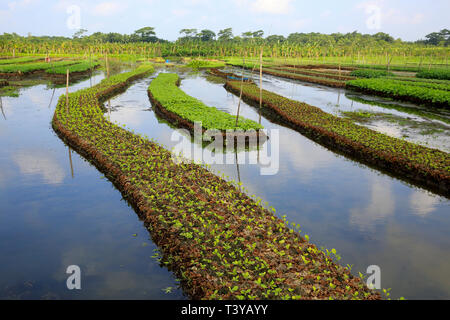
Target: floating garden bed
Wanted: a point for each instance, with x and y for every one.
(76, 71)
(18, 70)
(307, 72)
(426, 167)
(184, 110)
(406, 91)
(440, 74)
(19, 60)
(219, 242)
(228, 75)
(295, 76)
(367, 73)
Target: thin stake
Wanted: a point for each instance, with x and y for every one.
(260, 84)
(67, 92)
(51, 100)
(240, 95)
(1, 107)
(107, 65)
(70, 159)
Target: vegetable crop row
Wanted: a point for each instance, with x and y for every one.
(79, 67)
(441, 74)
(367, 73)
(220, 243)
(18, 60)
(307, 72)
(403, 91)
(30, 67)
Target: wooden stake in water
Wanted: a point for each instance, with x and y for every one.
(260, 83)
(1, 107)
(240, 95)
(67, 92)
(107, 65)
(71, 164)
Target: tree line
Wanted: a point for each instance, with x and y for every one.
(148, 35)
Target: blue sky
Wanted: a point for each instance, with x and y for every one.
(409, 20)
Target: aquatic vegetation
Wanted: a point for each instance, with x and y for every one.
(367, 73)
(422, 112)
(425, 166)
(441, 74)
(19, 60)
(165, 91)
(79, 67)
(30, 67)
(309, 72)
(220, 243)
(205, 64)
(402, 91)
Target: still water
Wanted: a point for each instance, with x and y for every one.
(50, 220)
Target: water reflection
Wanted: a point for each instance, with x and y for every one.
(38, 162)
(380, 206)
(49, 221)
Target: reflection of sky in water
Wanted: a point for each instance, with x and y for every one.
(49, 221)
(340, 203)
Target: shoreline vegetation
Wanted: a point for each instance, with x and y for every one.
(219, 242)
(428, 168)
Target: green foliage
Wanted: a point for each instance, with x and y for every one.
(79, 67)
(375, 145)
(166, 92)
(30, 67)
(18, 60)
(211, 234)
(441, 74)
(205, 64)
(365, 73)
(403, 90)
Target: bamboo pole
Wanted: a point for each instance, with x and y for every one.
(260, 83)
(107, 65)
(1, 107)
(240, 95)
(67, 92)
(71, 164)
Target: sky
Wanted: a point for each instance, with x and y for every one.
(409, 20)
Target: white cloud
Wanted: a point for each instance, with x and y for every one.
(108, 8)
(381, 205)
(265, 6)
(272, 6)
(180, 12)
(326, 14)
(42, 163)
(423, 204)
